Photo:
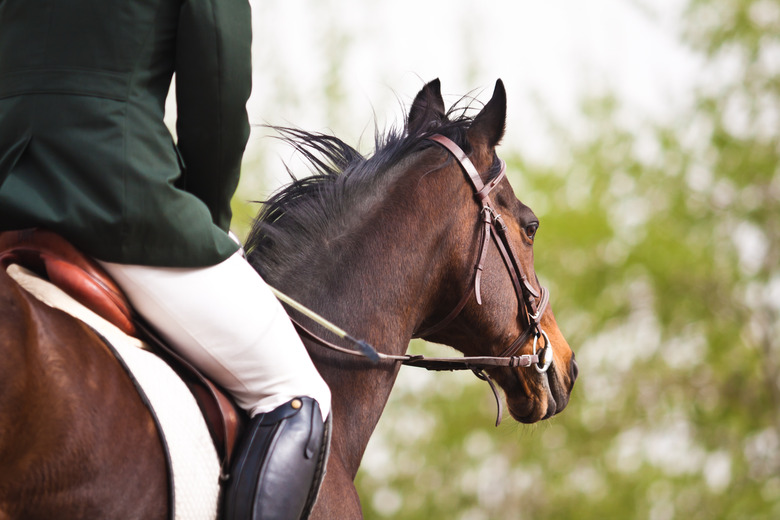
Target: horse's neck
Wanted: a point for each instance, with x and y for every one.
(380, 293)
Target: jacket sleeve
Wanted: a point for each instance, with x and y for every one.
(213, 82)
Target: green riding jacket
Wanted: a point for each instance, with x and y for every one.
(83, 147)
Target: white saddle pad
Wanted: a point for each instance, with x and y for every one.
(195, 465)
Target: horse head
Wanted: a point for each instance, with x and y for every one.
(493, 303)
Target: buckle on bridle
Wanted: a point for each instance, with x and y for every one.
(488, 214)
(493, 217)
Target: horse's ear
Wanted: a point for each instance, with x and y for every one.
(428, 108)
(487, 129)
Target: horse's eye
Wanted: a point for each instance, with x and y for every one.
(530, 229)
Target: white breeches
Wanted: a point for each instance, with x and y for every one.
(225, 320)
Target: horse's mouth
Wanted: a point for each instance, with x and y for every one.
(548, 399)
(529, 410)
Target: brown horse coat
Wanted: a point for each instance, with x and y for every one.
(62, 395)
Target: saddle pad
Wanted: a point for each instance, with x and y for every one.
(194, 461)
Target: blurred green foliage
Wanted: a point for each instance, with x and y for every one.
(661, 246)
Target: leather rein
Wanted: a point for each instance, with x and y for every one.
(531, 303)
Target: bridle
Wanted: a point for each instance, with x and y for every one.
(531, 303)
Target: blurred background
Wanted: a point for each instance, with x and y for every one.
(644, 134)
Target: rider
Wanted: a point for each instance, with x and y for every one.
(84, 152)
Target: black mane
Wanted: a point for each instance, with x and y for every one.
(312, 212)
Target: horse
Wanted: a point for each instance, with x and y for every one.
(389, 247)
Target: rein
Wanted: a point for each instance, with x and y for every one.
(532, 302)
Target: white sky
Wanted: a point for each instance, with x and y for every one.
(549, 53)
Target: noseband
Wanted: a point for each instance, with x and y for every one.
(531, 303)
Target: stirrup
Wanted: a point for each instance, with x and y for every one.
(280, 463)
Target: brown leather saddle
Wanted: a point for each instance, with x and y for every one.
(51, 256)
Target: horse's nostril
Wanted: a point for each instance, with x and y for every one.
(573, 368)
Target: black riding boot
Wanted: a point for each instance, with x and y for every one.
(278, 468)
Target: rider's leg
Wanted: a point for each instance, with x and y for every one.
(225, 320)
